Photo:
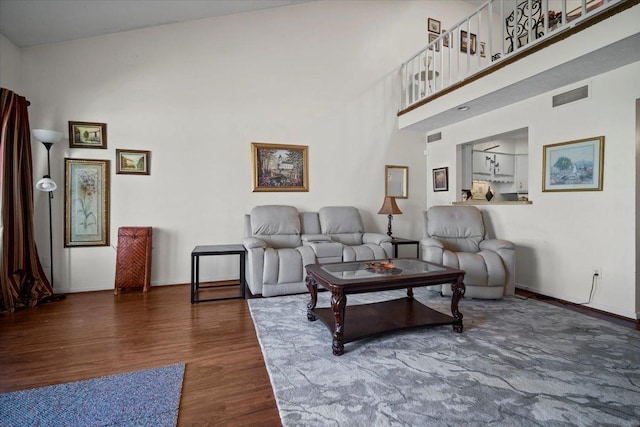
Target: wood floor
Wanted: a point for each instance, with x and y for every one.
(93, 334)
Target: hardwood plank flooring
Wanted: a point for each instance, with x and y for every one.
(94, 334)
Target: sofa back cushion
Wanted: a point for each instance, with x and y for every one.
(460, 228)
(342, 223)
(277, 225)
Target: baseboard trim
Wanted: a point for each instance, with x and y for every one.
(616, 318)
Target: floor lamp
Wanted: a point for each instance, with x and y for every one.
(48, 185)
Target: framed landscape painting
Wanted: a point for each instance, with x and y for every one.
(574, 165)
(278, 167)
(86, 202)
(133, 162)
(87, 135)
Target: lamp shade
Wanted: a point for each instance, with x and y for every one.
(46, 184)
(48, 136)
(389, 207)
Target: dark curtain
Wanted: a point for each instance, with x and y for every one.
(22, 279)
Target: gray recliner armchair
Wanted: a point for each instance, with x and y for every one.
(455, 237)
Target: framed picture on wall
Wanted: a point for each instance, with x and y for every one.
(441, 179)
(574, 165)
(134, 162)
(87, 135)
(86, 202)
(466, 43)
(279, 167)
(446, 38)
(433, 25)
(483, 50)
(432, 38)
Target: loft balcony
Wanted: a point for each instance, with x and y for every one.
(508, 51)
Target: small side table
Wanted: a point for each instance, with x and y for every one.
(215, 250)
(397, 241)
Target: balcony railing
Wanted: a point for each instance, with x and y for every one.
(495, 32)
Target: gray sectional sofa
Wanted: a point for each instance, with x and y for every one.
(281, 241)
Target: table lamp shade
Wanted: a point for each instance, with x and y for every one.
(389, 207)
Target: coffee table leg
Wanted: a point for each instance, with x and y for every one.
(338, 304)
(458, 290)
(410, 293)
(313, 291)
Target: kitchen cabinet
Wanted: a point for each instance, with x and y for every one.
(522, 173)
(496, 167)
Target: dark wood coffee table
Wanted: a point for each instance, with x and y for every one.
(366, 320)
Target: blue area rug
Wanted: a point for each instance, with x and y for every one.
(143, 398)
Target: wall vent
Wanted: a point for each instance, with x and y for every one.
(570, 96)
(434, 137)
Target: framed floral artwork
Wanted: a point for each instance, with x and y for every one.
(278, 167)
(87, 135)
(133, 162)
(86, 202)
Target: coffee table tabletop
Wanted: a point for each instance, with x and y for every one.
(365, 320)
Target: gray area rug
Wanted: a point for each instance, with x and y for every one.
(517, 363)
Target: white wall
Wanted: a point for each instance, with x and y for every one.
(323, 74)
(9, 65)
(562, 236)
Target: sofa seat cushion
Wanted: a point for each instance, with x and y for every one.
(364, 252)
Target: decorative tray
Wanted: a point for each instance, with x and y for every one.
(382, 267)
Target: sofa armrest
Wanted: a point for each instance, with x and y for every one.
(376, 238)
(316, 238)
(432, 250)
(496, 245)
(254, 242)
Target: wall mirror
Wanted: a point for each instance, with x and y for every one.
(396, 181)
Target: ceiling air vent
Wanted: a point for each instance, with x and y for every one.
(570, 96)
(434, 137)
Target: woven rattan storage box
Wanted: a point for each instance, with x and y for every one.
(133, 263)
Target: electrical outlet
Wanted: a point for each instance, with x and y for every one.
(597, 271)
(46, 262)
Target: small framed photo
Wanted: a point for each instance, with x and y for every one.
(446, 38)
(434, 26)
(87, 135)
(441, 179)
(134, 162)
(433, 37)
(573, 166)
(86, 202)
(483, 50)
(465, 43)
(479, 190)
(279, 167)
